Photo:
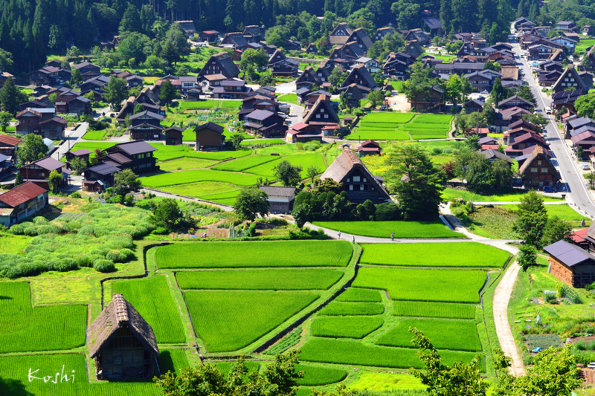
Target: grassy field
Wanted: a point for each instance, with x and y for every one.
(345, 326)
(387, 382)
(153, 300)
(260, 279)
(319, 375)
(492, 222)
(404, 284)
(341, 308)
(288, 98)
(254, 254)
(244, 163)
(15, 380)
(450, 193)
(564, 212)
(358, 353)
(24, 328)
(583, 45)
(230, 320)
(14, 244)
(401, 229)
(361, 295)
(223, 193)
(94, 135)
(464, 254)
(444, 334)
(434, 309)
(198, 175)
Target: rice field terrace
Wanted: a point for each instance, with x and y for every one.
(400, 229)
(402, 126)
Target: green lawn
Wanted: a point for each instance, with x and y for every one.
(423, 284)
(422, 309)
(185, 163)
(14, 244)
(94, 135)
(357, 353)
(345, 326)
(230, 320)
(260, 279)
(153, 300)
(244, 163)
(51, 327)
(444, 333)
(583, 45)
(464, 254)
(401, 229)
(564, 212)
(254, 254)
(450, 193)
(165, 153)
(223, 193)
(288, 98)
(397, 85)
(319, 375)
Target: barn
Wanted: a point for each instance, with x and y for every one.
(571, 264)
(122, 343)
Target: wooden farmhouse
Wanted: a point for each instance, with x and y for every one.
(22, 202)
(209, 136)
(122, 343)
(359, 183)
(173, 136)
(220, 63)
(538, 171)
(571, 264)
(280, 198)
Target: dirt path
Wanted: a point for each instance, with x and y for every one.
(500, 308)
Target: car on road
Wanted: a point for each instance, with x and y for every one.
(548, 110)
(586, 167)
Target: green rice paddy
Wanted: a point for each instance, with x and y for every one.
(345, 326)
(254, 254)
(400, 229)
(402, 126)
(434, 309)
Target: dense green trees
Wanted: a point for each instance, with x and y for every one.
(585, 105)
(31, 149)
(288, 174)
(417, 183)
(482, 175)
(11, 96)
(250, 203)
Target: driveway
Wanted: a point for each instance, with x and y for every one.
(73, 136)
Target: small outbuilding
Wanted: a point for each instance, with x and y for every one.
(209, 136)
(280, 198)
(173, 136)
(571, 264)
(122, 343)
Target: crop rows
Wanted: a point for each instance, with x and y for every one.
(345, 326)
(434, 309)
(338, 308)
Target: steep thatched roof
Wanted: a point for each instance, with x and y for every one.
(117, 315)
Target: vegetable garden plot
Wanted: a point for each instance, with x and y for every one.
(264, 279)
(345, 326)
(254, 254)
(153, 300)
(230, 320)
(355, 352)
(444, 333)
(423, 284)
(463, 254)
(24, 328)
(434, 309)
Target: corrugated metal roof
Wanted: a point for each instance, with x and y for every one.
(568, 253)
(21, 194)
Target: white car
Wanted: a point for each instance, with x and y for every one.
(548, 110)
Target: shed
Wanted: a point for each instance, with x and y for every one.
(122, 343)
(280, 198)
(173, 136)
(571, 264)
(209, 136)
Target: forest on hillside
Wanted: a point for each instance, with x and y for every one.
(31, 30)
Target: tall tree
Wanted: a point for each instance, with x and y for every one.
(531, 219)
(11, 96)
(416, 182)
(250, 203)
(115, 92)
(31, 149)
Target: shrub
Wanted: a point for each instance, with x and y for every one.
(551, 299)
(590, 287)
(76, 194)
(103, 265)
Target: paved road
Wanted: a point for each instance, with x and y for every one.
(569, 171)
(73, 136)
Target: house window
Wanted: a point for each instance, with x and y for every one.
(361, 187)
(539, 162)
(351, 187)
(533, 170)
(365, 180)
(356, 178)
(543, 170)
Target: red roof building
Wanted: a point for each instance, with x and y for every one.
(22, 202)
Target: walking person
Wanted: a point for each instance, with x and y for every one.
(339, 234)
(353, 239)
(392, 236)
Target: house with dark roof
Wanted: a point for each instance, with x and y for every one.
(210, 36)
(346, 54)
(494, 155)
(82, 154)
(41, 121)
(515, 101)
(307, 79)
(576, 123)
(538, 171)
(39, 171)
(482, 80)
(220, 63)
(565, 99)
(265, 123)
(362, 39)
(571, 264)
(87, 69)
(570, 80)
(22, 202)
(359, 183)
(354, 94)
(340, 34)
(382, 32)
(122, 343)
(433, 24)
(280, 65)
(322, 112)
(360, 76)
(187, 26)
(233, 88)
(429, 101)
(99, 177)
(137, 156)
(280, 198)
(173, 136)
(473, 106)
(209, 136)
(566, 26)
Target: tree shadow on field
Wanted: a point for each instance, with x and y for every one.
(13, 388)
(5, 298)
